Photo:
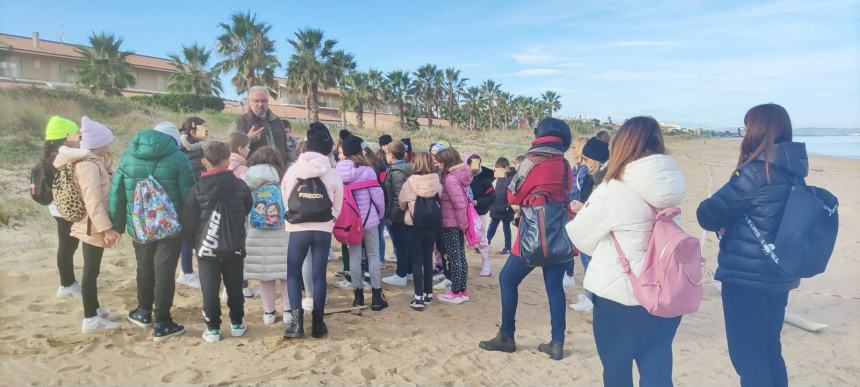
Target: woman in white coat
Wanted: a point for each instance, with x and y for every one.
(640, 180)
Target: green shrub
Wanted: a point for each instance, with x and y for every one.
(182, 102)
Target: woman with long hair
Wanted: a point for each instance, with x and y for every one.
(641, 178)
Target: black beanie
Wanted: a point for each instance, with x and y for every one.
(554, 127)
(596, 150)
(385, 139)
(319, 139)
(407, 143)
(352, 145)
(343, 134)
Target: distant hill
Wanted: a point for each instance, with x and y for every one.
(825, 131)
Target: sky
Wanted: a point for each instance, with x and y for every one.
(697, 63)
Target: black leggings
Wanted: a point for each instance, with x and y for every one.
(319, 244)
(66, 247)
(421, 244)
(89, 286)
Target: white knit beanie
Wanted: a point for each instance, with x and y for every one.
(169, 129)
(93, 134)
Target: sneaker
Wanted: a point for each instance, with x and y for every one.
(486, 271)
(71, 291)
(438, 277)
(467, 293)
(308, 304)
(212, 336)
(583, 304)
(444, 285)
(97, 324)
(192, 280)
(269, 318)
(428, 298)
(505, 252)
(288, 318)
(332, 256)
(395, 280)
(140, 318)
(250, 292)
(108, 314)
(417, 304)
(343, 284)
(569, 281)
(391, 258)
(238, 330)
(165, 330)
(453, 298)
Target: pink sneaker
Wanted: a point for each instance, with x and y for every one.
(450, 297)
(486, 271)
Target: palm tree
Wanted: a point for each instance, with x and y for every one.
(473, 103)
(315, 64)
(454, 87)
(491, 92)
(505, 103)
(356, 94)
(376, 86)
(104, 68)
(552, 102)
(534, 110)
(428, 81)
(399, 89)
(247, 49)
(192, 75)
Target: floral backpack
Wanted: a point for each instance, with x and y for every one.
(153, 215)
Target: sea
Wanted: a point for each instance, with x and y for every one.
(836, 146)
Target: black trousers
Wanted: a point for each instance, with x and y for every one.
(211, 272)
(66, 247)
(156, 266)
(89, 280)
(421, 244)
(318, 243)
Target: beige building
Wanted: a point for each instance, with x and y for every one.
(32, 61)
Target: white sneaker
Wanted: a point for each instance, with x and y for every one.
(332, 256)
(444, 285)
(269, 318)
(438, 277)
(395, 280)
(343, 284)
(192, 280)
(308, 304)
(288, 318)
(250, 292)
(584, 304)
(238, 330)
(108, 314)
(569, 281)
(212, 336)
(97, 324)
(71, 291)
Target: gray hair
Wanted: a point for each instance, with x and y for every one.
(258, 89)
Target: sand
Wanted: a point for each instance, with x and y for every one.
(41, 343)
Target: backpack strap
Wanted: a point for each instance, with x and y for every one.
(625, 263)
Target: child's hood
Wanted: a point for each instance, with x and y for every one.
(425, 186)
(311, 164)
(67, 155)
(262, 174)
(462, 173)
(220, 184)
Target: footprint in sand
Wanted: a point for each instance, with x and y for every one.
(368, 375)
(185, 375)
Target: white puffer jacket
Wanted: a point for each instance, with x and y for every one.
(266, 250)
(625, 208)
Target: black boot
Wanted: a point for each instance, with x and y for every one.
(553, 349)
(359, 297)
(318, 329)
(296, 328)
(503, 342)
(379, 302)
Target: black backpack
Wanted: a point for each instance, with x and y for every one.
(806, 235)
(219, 237)
(427, 214)
(309, 202)
(40, 184)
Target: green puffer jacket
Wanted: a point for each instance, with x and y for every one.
(174, 173)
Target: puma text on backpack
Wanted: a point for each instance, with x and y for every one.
(349, 226)
(268, 212)
(40, 184)
(670, 284)
(218, 240)
(67, 195)
(309, 202)
(427, 214)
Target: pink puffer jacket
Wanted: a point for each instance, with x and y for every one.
(349, 174)
(455, 198)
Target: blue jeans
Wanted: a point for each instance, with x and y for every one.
(506, 229)
(624, 334)
(509, 280)
(319, 244)
(754, 320)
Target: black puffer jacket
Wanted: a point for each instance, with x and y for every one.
(193, 149)
(213, 187)
(741, 260)
(501, 209)
(482, 189)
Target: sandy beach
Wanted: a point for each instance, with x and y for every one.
(41, 343)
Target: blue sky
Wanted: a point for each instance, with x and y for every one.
(692, 62)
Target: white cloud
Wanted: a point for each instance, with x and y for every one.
(536, 72)
(533, 55)
(643, 43)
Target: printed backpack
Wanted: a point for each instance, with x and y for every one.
(268, 212)
(670, 284)
(40, 184)
(349, 226)
(153, 215)
(427, 214)
(67, 195)
(309, 202)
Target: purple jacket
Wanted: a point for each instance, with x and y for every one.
(454, 197)
(350, 174)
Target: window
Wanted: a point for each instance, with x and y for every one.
(37, 64)
(159, 82)
(57, 71)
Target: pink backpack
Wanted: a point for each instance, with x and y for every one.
(349, 226)
(670, 284)
(473, 230)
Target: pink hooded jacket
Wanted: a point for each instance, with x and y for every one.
(238, 165)
(350, 174)
(455, 198)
